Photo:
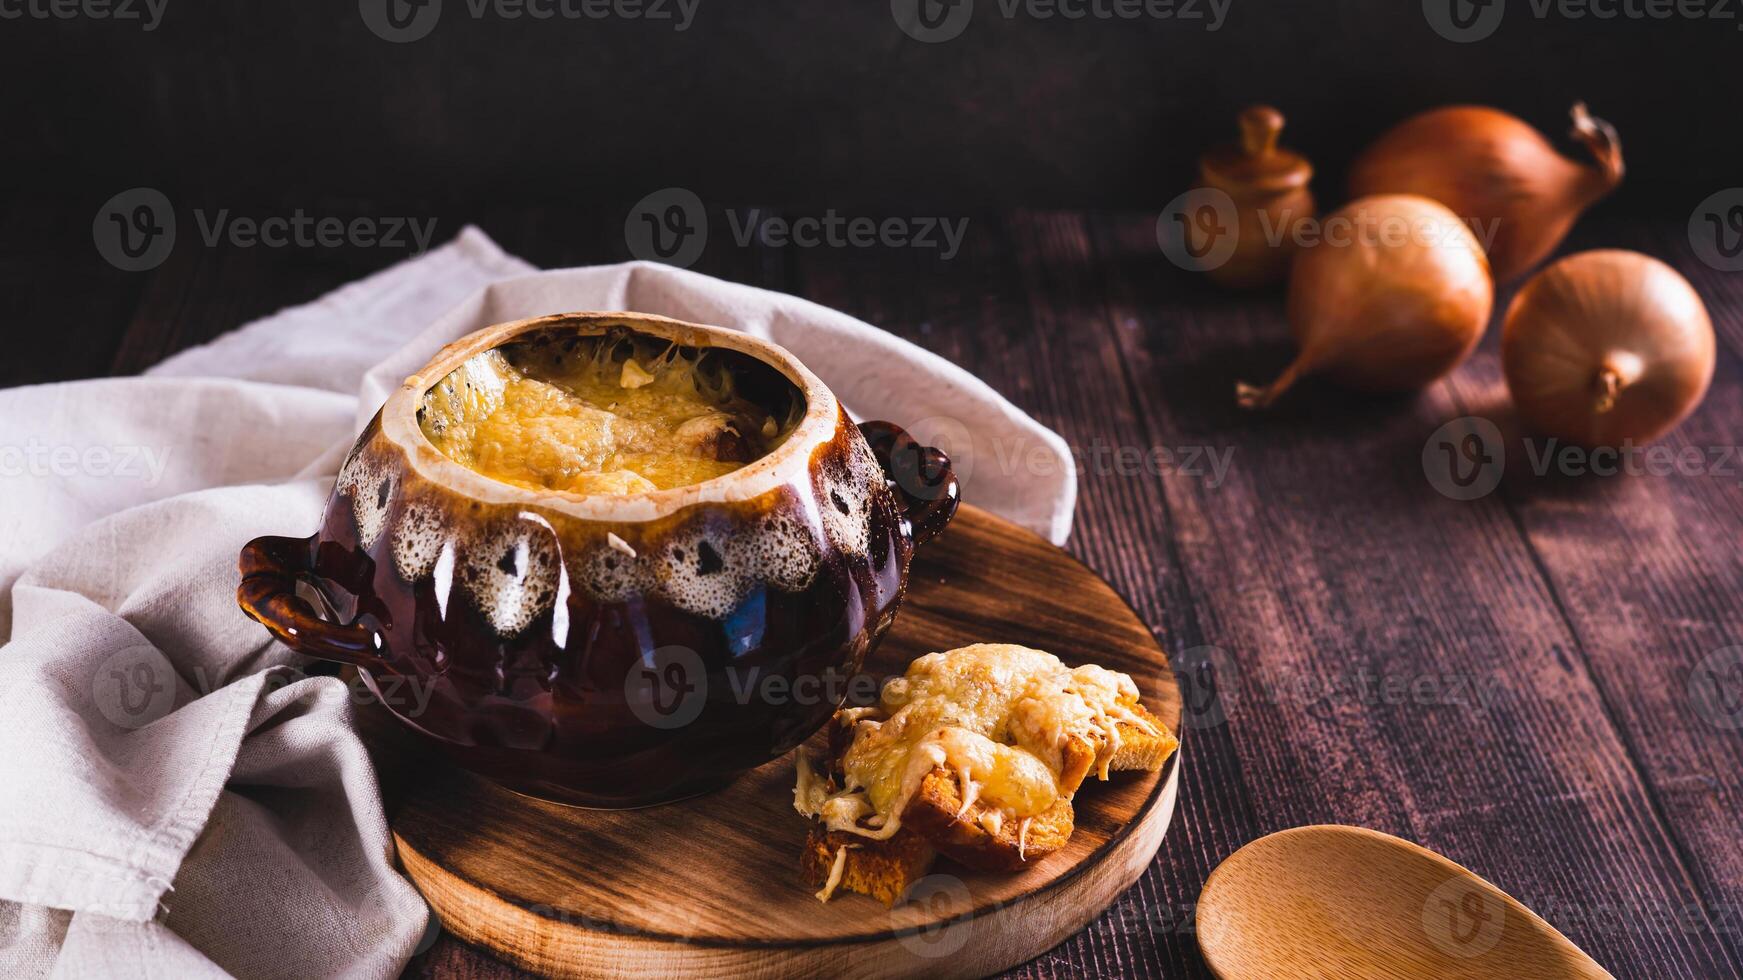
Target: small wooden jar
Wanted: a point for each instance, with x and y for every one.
(1268, 185)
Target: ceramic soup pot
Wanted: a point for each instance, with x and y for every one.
(609, 650)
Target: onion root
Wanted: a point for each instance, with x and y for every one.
(1619, 371)
(1261, 396)
(1603, 142)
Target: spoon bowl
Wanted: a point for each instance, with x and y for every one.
(1346, 902)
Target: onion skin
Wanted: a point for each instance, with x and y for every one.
(1493, 169)
(1380, 314)
(1607, 348)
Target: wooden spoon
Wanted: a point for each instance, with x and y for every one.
(1350, 903)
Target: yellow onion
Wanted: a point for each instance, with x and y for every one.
(1607, 347)
(1393, 294)
(1496, 171)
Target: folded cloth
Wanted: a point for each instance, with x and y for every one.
(179, 797)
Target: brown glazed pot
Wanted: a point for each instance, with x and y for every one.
(608, 650)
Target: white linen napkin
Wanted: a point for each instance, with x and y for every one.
(178, 798)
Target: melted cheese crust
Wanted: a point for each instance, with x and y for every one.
(998, 716)
(589, 424)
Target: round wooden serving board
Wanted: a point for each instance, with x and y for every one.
(710, 887)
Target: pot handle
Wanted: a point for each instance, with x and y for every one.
(271, 567)
(921, 477)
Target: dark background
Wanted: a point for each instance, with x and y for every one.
(546, 133)
(811, 102)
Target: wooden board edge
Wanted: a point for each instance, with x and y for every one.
(1011, 934)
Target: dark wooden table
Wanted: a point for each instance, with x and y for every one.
(1536, 683)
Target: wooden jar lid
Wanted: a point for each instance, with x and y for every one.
(1256, 165)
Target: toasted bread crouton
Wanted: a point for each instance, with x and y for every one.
(1077, 758)
(1140, 750)
(936, 814)
(1043, 729)
(883, 869)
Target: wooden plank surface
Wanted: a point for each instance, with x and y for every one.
(504, 872)
(1647, 572)
(1522, 682)
(1329, 551)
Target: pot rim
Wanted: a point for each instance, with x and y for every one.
(787, 463)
